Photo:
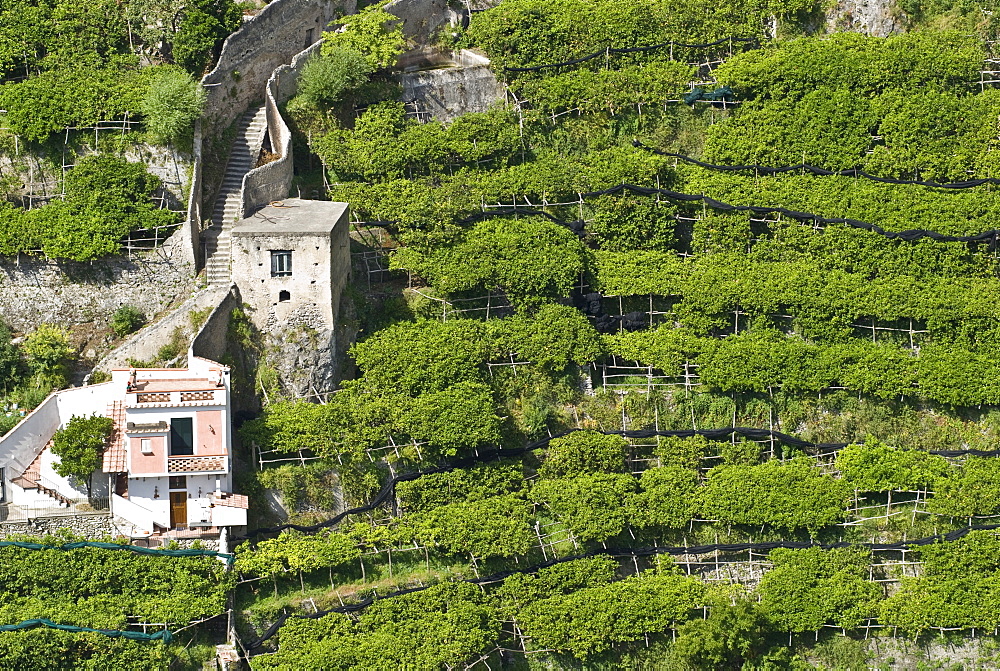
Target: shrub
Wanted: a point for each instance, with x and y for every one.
(48, 349)
(80, 444)
(127, 319)
(326, 78)
(173, 101)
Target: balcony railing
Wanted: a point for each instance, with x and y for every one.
(176, 397)
(195, 464)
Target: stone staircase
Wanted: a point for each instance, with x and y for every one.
(216, 238)
(32, 479)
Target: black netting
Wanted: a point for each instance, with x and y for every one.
(634, 50)
(805, 167)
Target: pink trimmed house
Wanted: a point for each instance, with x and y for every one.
(168, 465)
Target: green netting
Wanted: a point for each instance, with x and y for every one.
(698, 93)
(116, 546)
(163, 635)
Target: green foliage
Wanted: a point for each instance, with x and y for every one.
(288, 426)
(608, 90)
(106, 198)
(171, 105)
(584, 452)
(48, 350)
(930, 60)
(386, 144)
(205, 24)
(632, 222)
(452, 421)
(326, 78)
(127, 319)
(10, 359)
(100, 588)
(790, 495)
(73, 96)
(422, 357)
(590, 620)
(443, 625)
(474, 484)
(667, 498)
(498, 526)
(46, 649)
(959, 587)
(758, 361)
(525, 33)
(973, 488)
(309, 485)
(554, 337)
(293, 551)
(728, 638)
(876, 467)
(810, 588)
(80, 444)
(524, 258)
(373, 33)
(82, 60)
(592, 506)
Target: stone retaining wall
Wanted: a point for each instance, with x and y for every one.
(35, 291)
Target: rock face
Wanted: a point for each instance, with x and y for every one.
(872, 17)
(305, 360)
(448, 92)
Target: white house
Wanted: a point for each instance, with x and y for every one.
(167, 467)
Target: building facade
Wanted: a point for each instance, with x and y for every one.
(291, 261)
(167, 468)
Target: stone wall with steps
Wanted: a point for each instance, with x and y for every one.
(229, 204)
(146, 343)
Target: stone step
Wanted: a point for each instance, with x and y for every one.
(229, 201)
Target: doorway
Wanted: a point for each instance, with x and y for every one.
(178, 510)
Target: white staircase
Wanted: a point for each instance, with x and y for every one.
(216, 238)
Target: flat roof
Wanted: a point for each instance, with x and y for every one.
(292, 216)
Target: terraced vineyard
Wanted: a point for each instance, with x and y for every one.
(835, 295)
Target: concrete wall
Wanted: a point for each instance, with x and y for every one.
(251, 54)
(311, 298)
(212, 338)
(188, 237)
(268, 40)
(22, 443)
(146, 343)
(316, 232)
(26, 440)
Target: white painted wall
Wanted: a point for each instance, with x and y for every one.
(24, 442)
(136, 513)
(141, 492)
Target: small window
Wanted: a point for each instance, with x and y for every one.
(309, 39)
(147, 445)
(284, 296)
(281, 263)
(178, 482)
